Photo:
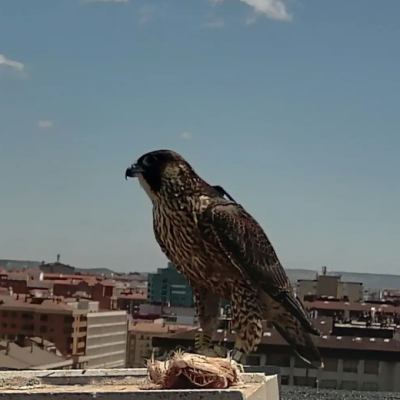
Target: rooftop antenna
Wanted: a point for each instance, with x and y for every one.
(58, 258)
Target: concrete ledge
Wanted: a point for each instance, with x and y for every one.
(121, 384)
(268, 370)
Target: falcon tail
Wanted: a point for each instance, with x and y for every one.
(301, 341)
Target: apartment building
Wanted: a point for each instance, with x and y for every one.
(50, 319)
(140, 336)
(106, 341)
(179, 315)
(130, 300)
(168, 286)
(352, 363)
(374, 311)
(329, 286)
(78, 328)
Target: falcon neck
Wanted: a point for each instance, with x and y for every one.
(181, 187)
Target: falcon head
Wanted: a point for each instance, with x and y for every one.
(162, 170)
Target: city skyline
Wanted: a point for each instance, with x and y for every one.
(290, 106)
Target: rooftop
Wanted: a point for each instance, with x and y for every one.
(31, 304)
(351, 306)
(31, 356)
(107, 283)
(272, 337)
(138, 295)
(152, 327)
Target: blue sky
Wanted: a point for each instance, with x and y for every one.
(292, 106)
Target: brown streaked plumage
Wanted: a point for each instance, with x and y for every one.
(224, 253)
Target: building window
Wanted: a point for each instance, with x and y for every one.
(328, 384)
(370, 386)
(305, 381)
(27, 327)
(68, 330)
(350, 366)
(371, 367)
(300, 363)
(14, 314)
(43, 317)
(331, 364)
(68, 319)
(284, 380)
(5, 313)
(253, 360)
(43, 329)
(280, 360)
(349, 385)
(27, 316)
(4, 325)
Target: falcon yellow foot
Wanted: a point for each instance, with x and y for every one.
(212, 351)
(235, 356)
(205, 347)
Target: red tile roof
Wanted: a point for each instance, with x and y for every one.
(72, 282)
(46, 305)
(133, 296)
(107, 283)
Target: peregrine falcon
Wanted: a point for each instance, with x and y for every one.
(224, 254)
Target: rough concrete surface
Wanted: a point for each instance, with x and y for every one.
(123, 384)
(300, 393)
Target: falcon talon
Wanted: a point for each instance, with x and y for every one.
(231, 256)
(201, 340)
(236, 355)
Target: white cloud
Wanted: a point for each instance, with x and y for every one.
(147, 13)
(17, 66)
(274, 9)
(215, 23)
(45, 124)
(186, 135)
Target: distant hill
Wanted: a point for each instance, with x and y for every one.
(95, 271)
(370, 281)
(15, 265)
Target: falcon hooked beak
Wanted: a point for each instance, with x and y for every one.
(133, 171)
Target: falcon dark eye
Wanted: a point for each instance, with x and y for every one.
(149, 161)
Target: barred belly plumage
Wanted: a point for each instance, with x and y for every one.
(178, 232)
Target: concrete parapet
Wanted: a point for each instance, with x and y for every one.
(122, 384)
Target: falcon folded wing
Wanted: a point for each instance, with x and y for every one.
(247, 246)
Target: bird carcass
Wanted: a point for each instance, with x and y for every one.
(189, 371)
